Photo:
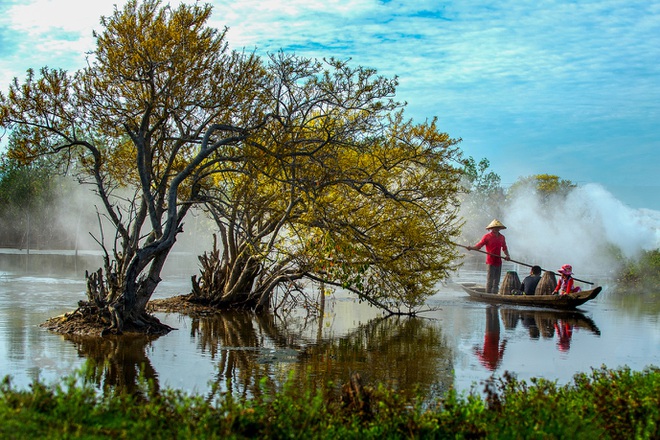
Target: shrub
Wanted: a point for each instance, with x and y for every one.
(603, 404)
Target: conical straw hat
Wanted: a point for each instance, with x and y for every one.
(495, 224)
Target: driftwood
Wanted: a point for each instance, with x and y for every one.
(356, 397)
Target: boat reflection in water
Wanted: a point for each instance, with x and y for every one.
(540, 324)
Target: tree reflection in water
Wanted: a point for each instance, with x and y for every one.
(259, 353)
(239, 341)
(117, 363)
(253, 351)
(403, 353)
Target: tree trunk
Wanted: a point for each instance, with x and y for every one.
(121, 299)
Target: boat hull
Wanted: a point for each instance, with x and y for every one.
(569, 301)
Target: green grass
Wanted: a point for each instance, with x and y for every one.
(616, 404)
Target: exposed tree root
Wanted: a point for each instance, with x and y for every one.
(89, 320)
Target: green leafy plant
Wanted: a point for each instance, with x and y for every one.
(606, 404)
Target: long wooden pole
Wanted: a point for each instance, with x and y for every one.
(519, 262)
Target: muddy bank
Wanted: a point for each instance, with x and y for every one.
(88, 320)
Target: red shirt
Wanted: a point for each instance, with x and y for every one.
(494, 245)
(565, 286)
(492, 353)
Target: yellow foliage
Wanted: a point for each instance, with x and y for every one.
(308, 167)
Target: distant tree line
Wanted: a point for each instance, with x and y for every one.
(38, 210)
(484, 198)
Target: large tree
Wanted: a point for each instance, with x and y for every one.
(309, 168)
(161, 101)
(340, 189)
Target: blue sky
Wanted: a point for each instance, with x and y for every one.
(570, 88)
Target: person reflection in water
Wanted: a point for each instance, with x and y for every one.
(492, 352)
(564, 333)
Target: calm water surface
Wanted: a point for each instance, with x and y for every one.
(460, 344)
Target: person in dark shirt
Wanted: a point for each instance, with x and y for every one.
(530, 282)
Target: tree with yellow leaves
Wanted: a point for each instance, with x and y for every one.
(339, 189)
(308, 168)
(544, 186)
(162, 100)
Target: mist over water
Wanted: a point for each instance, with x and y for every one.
(580, 230)
(590, 229)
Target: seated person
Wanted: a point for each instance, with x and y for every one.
(565, 283)
(528, 285)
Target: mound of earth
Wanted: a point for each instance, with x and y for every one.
(76, 323)
(88, 320)
(184, 304)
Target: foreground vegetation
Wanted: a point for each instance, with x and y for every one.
(602, 404)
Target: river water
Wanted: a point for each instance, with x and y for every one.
(460, 343)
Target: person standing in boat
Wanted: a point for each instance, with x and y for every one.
(495, 243)
(565, 285)
(529, 283)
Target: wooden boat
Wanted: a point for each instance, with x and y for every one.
(569, 301)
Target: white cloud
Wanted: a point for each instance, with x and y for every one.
(48, 32)
(509, 77)
(39, 17)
